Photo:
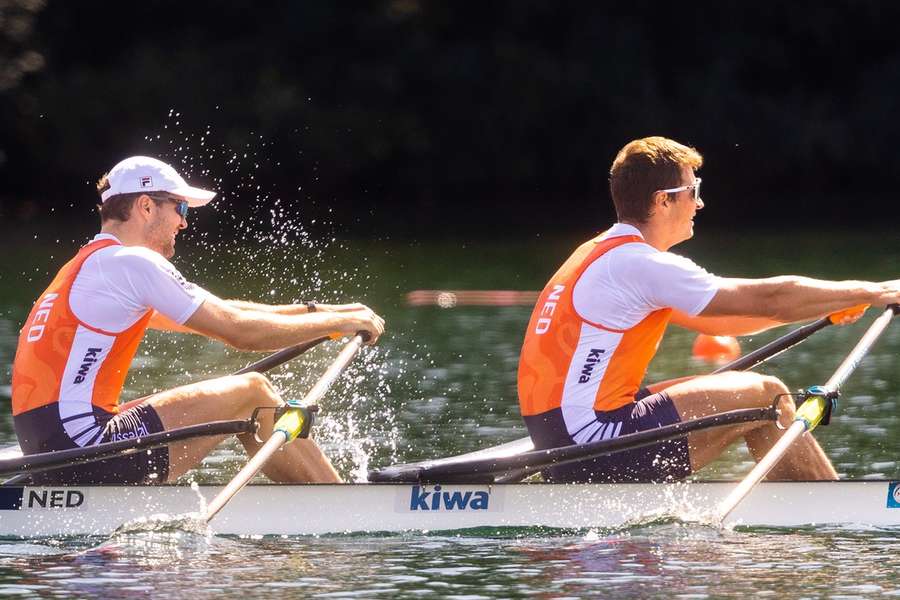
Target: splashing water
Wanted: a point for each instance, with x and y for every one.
(163, 524)
(260, 244)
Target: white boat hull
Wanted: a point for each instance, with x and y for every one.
(320, 509)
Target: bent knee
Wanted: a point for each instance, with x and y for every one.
(766, 388)
(772, 386)
(761, 388)
(259, 384)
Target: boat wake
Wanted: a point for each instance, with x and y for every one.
(155, 540)
(189, 523)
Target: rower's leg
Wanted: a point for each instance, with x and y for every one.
(235, 397)
(708, 395)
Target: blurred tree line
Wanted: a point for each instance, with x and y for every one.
(417, 116)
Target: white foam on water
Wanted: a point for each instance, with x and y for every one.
(192, 523)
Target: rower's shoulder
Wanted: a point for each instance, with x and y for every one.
(640, 260)
(129, 261)
(131, 254)
(629, 252)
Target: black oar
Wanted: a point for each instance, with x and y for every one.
(776, 347)
(34, 463)
(484, 470)
(280, 357)
(48, 461)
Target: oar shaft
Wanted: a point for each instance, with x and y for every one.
(334, 371)
(802, 425)
(775, 347)
(472, 468)
(762, 468)
(862, 348)
(278, 358)
(253, 466)
(281, 436)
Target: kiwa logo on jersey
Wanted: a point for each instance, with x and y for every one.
(90, 357)
(590, 362)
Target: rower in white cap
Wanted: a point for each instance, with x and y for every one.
(77, 345)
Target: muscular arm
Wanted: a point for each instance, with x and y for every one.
(294, 309)
(277, 309)
(164, 323)
(251, 329)
(724, 325)
(789, 299)
(160, 321)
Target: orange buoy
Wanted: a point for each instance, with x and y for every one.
(716, 348)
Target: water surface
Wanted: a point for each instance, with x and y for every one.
(443, 381)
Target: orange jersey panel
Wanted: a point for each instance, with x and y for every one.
(58, 352)
(564, 359)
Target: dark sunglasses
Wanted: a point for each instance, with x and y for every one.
(181, 207)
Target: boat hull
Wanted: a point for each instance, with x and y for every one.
(322, 508)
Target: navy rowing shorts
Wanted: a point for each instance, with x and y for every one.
(40, 430)
(661, 462)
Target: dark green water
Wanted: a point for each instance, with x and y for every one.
(443, 381)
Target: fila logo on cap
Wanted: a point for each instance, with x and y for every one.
(142, 173)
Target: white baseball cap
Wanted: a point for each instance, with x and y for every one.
(145, 174)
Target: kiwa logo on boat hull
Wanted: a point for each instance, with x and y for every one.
(442, 498)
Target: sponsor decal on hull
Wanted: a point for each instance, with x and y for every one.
(448, 499)
(893, 499)
(18, 498)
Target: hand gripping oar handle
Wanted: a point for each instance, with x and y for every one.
(809, 414)
(288, 426)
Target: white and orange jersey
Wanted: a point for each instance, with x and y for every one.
(598, 322)
(79, 340)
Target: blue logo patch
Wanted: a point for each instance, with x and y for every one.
(893, 495)
(11, 498)
(438, 499)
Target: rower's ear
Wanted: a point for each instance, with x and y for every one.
(660, 201)
(143, 204)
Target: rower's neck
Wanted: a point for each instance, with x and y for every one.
(654, 234)
(123, 232)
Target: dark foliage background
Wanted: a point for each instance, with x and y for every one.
(412, 116)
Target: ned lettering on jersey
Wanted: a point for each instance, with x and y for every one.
(618, 292)
(77, 345)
